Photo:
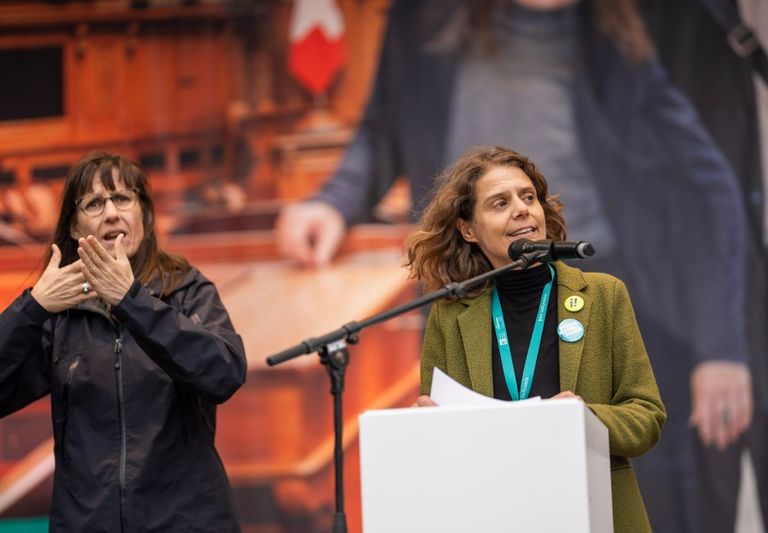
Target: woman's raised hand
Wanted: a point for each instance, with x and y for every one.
(59, 289)
(110, 277)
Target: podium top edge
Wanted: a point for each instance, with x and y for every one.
(501, 405)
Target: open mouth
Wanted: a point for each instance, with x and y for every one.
(522, 232)
(110, 236)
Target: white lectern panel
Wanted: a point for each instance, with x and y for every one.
(530, 466)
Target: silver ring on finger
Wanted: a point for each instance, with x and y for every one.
(86, 287)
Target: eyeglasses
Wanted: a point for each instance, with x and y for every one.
(93, 204)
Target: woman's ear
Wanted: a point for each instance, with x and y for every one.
(148, 221)
(465, 228)
(73, 231)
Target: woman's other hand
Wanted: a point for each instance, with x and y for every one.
(110, 277)
(565, 395)
(424, 401)
(59, 289)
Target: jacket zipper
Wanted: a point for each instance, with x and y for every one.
(121, 420)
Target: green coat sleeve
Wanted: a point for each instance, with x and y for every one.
(433, 349)
(635, 414)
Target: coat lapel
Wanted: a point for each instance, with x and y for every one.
(475, 327)
(571, 282)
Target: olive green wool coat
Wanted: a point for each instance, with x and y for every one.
(608, 368)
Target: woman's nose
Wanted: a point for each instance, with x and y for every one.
(110, 209)
(519, 209)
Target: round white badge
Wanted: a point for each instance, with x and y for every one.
(570, 330)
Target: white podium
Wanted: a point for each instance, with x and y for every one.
(540, 466)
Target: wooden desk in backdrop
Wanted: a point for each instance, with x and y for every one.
(275, 435)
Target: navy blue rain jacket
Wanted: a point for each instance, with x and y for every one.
(133, 398)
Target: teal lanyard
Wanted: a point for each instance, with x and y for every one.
(533, 347)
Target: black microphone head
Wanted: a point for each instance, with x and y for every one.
(585, 249)
(518, 248)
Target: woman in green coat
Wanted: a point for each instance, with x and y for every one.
(555, 330)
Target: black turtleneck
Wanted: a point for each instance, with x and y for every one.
(519, 295)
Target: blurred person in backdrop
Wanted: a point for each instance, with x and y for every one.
(576, 86)
(136, 350)
(721, 78)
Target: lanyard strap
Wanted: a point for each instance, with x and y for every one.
(533, 347)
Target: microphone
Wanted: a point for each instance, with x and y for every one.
(553, 249)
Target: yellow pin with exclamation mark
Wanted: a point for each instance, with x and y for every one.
(573, 303)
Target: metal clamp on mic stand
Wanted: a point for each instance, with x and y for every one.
(332, 349)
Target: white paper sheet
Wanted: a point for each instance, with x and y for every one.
(447, 391)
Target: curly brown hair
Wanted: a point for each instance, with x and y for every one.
(437, 254)
(149, 262)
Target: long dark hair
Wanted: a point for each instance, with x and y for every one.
(149, 262)
(437, 253)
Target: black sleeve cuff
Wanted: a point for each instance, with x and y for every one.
(36, 312)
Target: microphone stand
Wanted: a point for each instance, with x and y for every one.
(332, 349)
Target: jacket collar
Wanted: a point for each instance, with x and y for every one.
(570, 283)
(97, 306)
(474, 325)
(155, 285)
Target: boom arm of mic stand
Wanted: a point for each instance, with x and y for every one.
(314, 344)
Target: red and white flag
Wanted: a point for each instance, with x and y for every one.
(317, 44)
